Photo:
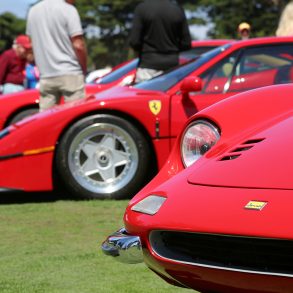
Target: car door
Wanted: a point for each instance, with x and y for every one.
(262, 66)
(242, 70)
(215, 81)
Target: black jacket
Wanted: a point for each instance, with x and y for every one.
(160, 31)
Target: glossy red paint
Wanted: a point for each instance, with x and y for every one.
(121, 75)
(209, 198)
(210, 42)
(12, 104)
(158, 116)
(202, 46)
(190, 84)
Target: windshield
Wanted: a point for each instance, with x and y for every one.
(118, 73)
(167, 80)
(194, 52)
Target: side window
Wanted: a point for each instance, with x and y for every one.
(263, 66)
(216, 79)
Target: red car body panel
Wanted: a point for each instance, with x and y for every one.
(210, 196)
(38, 165)
(209, 43)
(11, 104)
(59, 121)
(131, 103)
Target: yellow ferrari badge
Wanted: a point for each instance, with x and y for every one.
(155, 106)
(256, 205)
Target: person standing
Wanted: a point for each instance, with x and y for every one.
(12, 65)
(244, 29)
(159, 32)
(285, 26)
(32, 75)
(59, 50)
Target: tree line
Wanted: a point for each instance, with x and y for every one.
(107, 23)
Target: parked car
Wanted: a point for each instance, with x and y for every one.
(15, 107)
(98, 73)
(215, 218)
(202, 46)
(111, 144)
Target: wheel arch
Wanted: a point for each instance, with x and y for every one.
(19, 110)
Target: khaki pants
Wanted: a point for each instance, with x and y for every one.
(52, 89)
(143, 74)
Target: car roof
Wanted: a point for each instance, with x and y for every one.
(262, 41)
(210, 42)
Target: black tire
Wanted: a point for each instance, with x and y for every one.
(103, 157)
(23, 114)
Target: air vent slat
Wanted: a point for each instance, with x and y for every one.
(253, 141)
(229, 158)
(235, 153)
(241, 149)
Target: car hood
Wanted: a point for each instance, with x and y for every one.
(113, 97)
(243, 191)
(121, 92)
(262, 160)
(217, 210)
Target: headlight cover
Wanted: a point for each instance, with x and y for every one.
(149, 205)
(196, 140)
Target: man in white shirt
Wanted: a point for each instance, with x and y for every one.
(59, 50)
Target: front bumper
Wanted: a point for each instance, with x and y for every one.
(123, 247)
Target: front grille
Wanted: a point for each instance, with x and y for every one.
(263, 255)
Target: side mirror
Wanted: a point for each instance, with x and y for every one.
(190, 84)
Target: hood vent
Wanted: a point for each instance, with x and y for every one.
(237, 152)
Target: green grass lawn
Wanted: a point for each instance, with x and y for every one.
(55, 247)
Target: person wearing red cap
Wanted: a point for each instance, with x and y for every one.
(12, 65)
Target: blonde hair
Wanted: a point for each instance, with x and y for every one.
(285, 27)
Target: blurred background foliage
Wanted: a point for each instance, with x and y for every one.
(107, 23)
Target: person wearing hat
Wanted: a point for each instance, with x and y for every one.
(244, 30)
(12, 65)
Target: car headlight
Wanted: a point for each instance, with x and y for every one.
(149, 205)
(196, 140)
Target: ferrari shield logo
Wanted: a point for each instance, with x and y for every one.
(155, 106)
(256, 205)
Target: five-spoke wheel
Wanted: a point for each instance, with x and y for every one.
(103, 156)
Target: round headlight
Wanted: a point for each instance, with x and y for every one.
(197, 139)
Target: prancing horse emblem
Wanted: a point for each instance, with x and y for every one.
(155, 106)
(256, 205)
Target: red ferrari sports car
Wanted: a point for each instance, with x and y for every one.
(215, 218)
(111, 144)
(15, 107)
